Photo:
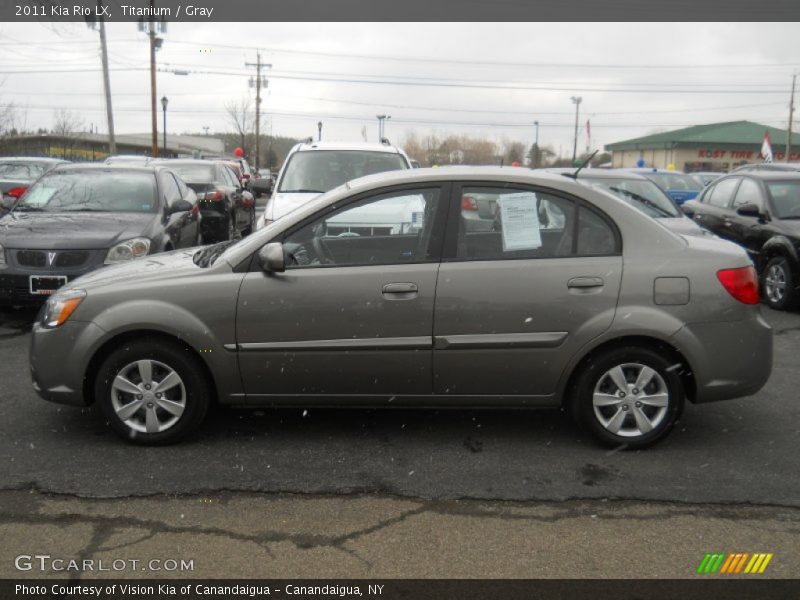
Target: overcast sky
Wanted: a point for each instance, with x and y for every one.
(632, 77)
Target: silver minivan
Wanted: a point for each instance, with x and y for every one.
(572, 299)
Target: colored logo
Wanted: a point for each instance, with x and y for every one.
(737, 562)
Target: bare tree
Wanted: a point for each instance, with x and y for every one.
(66, 123)
(242, 117)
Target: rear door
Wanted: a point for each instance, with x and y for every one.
(516, 300)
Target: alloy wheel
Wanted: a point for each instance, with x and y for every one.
(148, 396)
(630, 400)
(775, 283)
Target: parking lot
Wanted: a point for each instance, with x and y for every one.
(402, 492)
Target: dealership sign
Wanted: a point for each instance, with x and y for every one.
(743, 154)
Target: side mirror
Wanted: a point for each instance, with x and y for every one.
(749, 210)
(271, 258)
(179, 206)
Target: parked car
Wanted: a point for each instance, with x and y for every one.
(678, 186)
(228, 211)
(127, 159)
(760, 211)
(609, 315)
(262, 184)
(767, 166)
(77, 218)
(641, 193)
(312, 168)
(17, 174)
(706, 177)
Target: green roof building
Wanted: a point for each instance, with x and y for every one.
(713, 147)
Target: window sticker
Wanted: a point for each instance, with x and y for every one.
(519, 217)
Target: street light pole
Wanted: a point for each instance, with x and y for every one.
(164, 102)
(576, 100)
(319, 127)
(791, 114)
(536, 147)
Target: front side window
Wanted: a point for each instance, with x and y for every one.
(91, 191)
(749, 192)
(322, 170)
(392, 228)
(720, 194)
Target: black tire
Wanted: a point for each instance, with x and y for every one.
(595, 377)
(194, 391)
(776, 272)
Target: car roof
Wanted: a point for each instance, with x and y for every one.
(186, 161)
(26, 159)
(769, 167)
(767, 175)
(104, 167)
(598, 173)
(359, 146)
(645, 170)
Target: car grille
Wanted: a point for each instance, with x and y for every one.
(39, 258)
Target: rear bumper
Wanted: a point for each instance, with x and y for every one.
(728, 359)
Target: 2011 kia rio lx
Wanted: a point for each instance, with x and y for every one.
(378, 294)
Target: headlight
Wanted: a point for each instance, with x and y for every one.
(128, 250)
(60, 306)
(2, 257)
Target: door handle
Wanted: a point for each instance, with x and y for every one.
(585, 282)
(400, 291)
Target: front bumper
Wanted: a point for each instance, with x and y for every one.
(728, 359)
(58, 360)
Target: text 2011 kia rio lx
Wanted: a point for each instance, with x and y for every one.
(570, 298)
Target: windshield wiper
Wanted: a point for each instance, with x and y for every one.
(643, 200)
(301, 191)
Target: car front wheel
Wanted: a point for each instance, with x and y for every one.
(777, 284)
(629, 396)
(152, 393)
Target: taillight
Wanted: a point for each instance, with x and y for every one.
(741, 283)
(16, 192)
(468, 203)
(214, 196)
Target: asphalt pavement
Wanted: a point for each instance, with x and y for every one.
(742, 451)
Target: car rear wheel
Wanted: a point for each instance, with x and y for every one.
(629, 396)
(152, 393)
(777, 284)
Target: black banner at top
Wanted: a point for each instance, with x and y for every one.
(400, 10)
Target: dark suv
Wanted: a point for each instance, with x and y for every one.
(759, 210)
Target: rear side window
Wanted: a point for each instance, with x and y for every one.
(502, 223)
(720, 194)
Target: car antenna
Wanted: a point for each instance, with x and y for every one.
(583, 164)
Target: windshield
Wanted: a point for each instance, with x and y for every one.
(674, 181)
(785, 198)
(644, 195)
(95, 191)
(21, 171)
(322, 170)
(193, 173)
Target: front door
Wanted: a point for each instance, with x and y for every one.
(352, 315)
(519, 295)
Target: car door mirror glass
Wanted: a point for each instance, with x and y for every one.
(749, 210)
(271, 258)
(179, 206)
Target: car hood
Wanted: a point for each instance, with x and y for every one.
(282, 204)
(54, 231)
(685, 226)
(164, 264)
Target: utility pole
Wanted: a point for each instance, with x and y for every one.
(791, 114)
(155, 44)
(576, 100)
(258, 84)
(112, 144)
(536, 146)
